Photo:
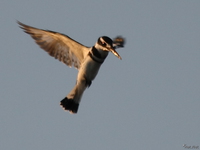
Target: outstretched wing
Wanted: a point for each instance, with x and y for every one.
(118, 42)
(58, 45)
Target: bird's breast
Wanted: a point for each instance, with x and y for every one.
(89, 68)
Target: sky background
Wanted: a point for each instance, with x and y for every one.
(148, 100)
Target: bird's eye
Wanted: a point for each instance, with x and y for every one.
(103, 44)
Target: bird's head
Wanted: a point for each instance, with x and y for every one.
(106, 44)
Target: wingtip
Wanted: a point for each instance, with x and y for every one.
(19, 23)
(119, 41)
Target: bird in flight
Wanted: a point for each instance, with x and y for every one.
(86, 59)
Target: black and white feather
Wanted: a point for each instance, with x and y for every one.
(118, 42)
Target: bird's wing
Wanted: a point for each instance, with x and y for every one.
(58, 45)
(118, 42)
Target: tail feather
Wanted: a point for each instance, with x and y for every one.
(72, 100)
(69, 105)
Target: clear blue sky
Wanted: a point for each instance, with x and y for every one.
(148, 100)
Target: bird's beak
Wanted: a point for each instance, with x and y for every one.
(115, 53)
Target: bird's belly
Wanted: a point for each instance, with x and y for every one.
(89, 69)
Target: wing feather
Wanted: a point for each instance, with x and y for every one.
(58, 45)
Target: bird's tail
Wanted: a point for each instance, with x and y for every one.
(72, 100)
(69, 105)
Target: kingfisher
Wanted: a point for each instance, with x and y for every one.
(87, 60)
